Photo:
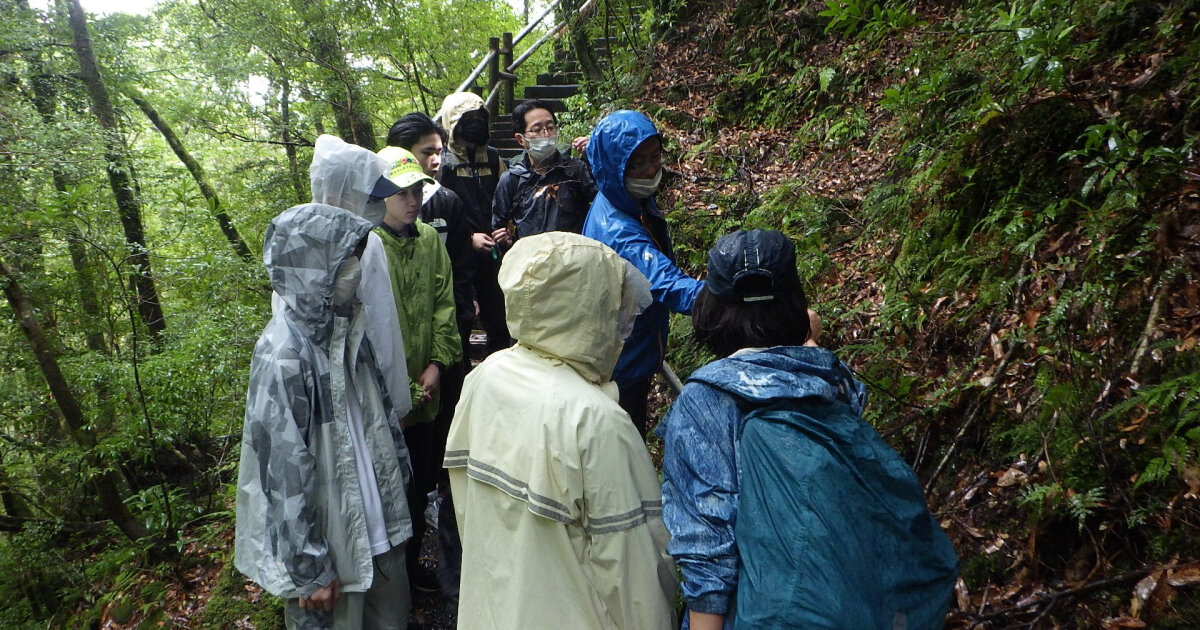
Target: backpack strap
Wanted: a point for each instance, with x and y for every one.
(749, 409)
(494, 161)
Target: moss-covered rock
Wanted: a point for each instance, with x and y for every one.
(232, 604)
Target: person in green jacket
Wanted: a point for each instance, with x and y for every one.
(423, 286)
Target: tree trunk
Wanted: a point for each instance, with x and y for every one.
(45, 101)
(341, 91)
(580, 44)
(120, 177)
(75, 424)
(197, 171)
(285, 133)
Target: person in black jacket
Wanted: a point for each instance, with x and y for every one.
(543, 191)
(472, 168)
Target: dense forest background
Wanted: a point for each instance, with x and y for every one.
(996, 204)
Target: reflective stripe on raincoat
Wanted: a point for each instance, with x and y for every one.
(558, 503)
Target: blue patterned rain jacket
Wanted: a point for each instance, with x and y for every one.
(701, 467)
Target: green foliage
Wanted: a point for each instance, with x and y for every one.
(868, 18)
(164, 418)
(1051, 498)
(1042, 30)
(1114, 152)
(1172, 410)
(684, 354)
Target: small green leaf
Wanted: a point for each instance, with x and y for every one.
(825, 77)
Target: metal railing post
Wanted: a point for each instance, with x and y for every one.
(499, 98)
(506, 58)
(493, 71)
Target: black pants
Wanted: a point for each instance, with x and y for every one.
(491, 303)
(451, 386)
(633, 401)
(449, 550)
(420, 441)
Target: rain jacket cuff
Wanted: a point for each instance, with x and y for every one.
(325, 579)
(714, 604)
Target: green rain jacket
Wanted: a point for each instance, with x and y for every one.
(423, 284)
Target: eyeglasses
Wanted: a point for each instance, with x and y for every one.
(541, 131)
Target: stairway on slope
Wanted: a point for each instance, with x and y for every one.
(560, 82)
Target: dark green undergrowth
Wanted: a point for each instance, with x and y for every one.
(1018, 289)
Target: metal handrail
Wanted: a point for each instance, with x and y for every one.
(488, 57)
(508, 74)
(478, 71)
(529, 27)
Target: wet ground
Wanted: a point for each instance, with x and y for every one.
(430, 611)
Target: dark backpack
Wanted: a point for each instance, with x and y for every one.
(832, 527)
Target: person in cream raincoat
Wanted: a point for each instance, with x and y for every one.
(558, 503)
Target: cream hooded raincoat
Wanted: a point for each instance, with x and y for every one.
(300, 515)
(558, 504)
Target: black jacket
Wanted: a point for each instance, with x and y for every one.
(556, 200)
(447, 214)
(474, 183)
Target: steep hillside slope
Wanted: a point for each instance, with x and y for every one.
(999, 205)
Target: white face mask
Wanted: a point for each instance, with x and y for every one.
(641, 188)
(542, 148)
(348, 276)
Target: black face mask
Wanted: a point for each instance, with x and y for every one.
(473, 131)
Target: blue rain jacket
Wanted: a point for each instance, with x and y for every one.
(878, 503)
(637, 232)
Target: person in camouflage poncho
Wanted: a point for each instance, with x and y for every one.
(321, 511)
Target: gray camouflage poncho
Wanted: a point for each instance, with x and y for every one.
(300, 521)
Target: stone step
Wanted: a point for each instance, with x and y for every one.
(551, 91)
(556, 105)
(509, 154)
(566, 78)
(564, 66)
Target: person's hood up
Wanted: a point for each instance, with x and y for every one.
(613, 140)
(784, 372)
(453, 108)
(303, 248)
(344, 175)
(572, 298)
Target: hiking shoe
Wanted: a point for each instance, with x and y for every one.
(424, 580)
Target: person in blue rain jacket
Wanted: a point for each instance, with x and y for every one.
(771, 517)
(625, 152)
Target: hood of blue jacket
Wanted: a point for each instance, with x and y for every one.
(612, 142)
(784, 372)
